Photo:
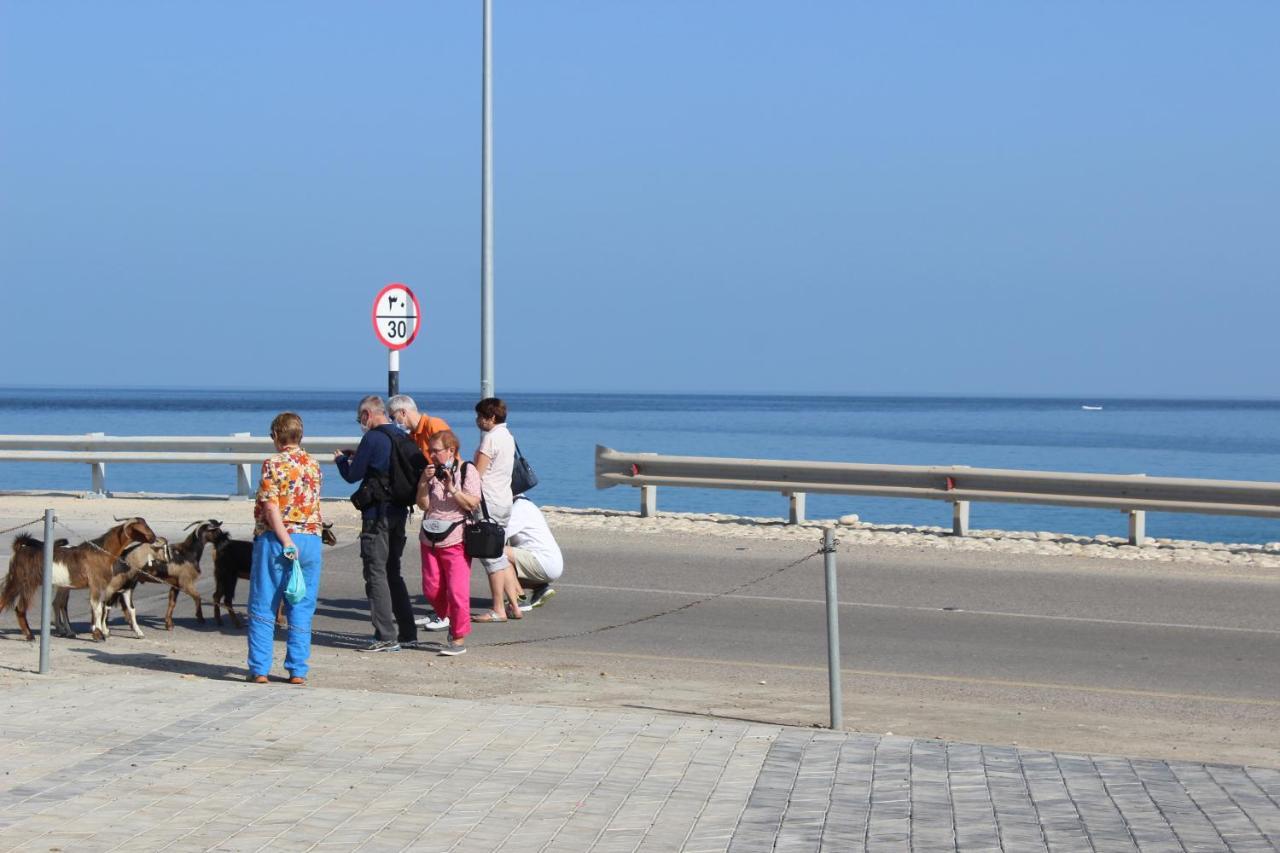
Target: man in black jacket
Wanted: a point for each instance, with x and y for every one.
(382, 535)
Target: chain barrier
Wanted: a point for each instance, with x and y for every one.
(39, 520)
(360, 639)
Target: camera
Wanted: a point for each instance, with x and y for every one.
(443, 473)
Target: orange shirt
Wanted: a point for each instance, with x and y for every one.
(427, 427)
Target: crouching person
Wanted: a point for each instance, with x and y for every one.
(533, 552)
(287, 526)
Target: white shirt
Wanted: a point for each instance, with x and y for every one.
(528, 531)
(500, 447)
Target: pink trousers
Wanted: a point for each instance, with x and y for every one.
(446, 583)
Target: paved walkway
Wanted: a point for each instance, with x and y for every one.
(161, 762)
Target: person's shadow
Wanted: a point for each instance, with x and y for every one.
(163, 663)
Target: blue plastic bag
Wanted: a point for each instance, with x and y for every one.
(296, 589)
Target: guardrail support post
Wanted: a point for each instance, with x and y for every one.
(1137, 526)
(99, 475)
(833, 629)
(244, 482)
(648, 501)
(46, 591)
(795, 512)
(959, 518)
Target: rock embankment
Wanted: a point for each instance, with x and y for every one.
(850, 530)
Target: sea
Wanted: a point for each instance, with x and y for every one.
(1221, 439)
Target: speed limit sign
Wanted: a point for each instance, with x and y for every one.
(395, 316)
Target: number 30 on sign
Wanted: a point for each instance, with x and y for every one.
(395, 316)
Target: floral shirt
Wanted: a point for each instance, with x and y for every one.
(290, 478)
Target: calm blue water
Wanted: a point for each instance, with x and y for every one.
(558, 432)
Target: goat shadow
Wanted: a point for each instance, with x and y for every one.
(163, 663)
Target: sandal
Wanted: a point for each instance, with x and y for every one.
(489, 616)
(257, 679)
(298, 680)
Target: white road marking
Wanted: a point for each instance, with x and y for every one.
(960, 611)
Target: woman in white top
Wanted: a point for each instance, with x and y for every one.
(494, 460)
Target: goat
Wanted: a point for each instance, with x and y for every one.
(180, 568)
(232, 560)
(90, 564)
(138, 561)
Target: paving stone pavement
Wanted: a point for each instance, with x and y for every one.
(158, 762)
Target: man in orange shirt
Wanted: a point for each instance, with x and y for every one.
(419, 425)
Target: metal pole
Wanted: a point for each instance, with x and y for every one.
(393, 373)
(46, 592)
(833, 628)
(486, 213)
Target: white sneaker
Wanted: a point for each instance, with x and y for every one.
(434, 624)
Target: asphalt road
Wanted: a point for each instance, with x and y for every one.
(1061, 653)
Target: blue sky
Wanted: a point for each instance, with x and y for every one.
(829, 197)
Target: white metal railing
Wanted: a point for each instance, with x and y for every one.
(240, 450)
(1134, 494)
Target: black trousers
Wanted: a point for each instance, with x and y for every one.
(381, 547)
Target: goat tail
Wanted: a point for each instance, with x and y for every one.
(25, 571)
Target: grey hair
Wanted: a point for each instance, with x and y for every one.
(372, 403)
(401, 401)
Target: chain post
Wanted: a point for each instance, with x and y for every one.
(46, 591)
(833, 629)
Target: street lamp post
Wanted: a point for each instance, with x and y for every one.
(486, 214)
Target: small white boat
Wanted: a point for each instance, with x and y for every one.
(1092, 408)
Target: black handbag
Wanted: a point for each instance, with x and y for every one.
(484, 538)
(522, 477)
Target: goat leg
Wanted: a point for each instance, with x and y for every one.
(20, 611)
(61, 621)
(168, 613)
(282, 621)
(126, 604)
(97, 617)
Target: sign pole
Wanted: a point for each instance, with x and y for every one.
(486, 209)
(393, 373)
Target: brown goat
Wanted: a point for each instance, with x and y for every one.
(140, 560)
(87, 565)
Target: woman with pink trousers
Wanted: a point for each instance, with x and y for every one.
(447, 493)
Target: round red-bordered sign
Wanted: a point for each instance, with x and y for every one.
(396, 316)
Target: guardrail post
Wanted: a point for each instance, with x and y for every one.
(99, 476)
(959, 518)
(648, 501)
(97, 472)
(795, 512)
(244, 478)
(46, 591)
(833, 628)
(1137, 526)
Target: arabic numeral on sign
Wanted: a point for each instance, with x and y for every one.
(397, 328)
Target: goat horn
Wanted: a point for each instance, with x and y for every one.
(191, 525)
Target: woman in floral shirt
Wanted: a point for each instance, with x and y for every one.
(287, 527)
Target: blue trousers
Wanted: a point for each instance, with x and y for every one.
(267, 580)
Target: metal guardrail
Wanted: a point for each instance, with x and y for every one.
(241, 450)
(1134, 494)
